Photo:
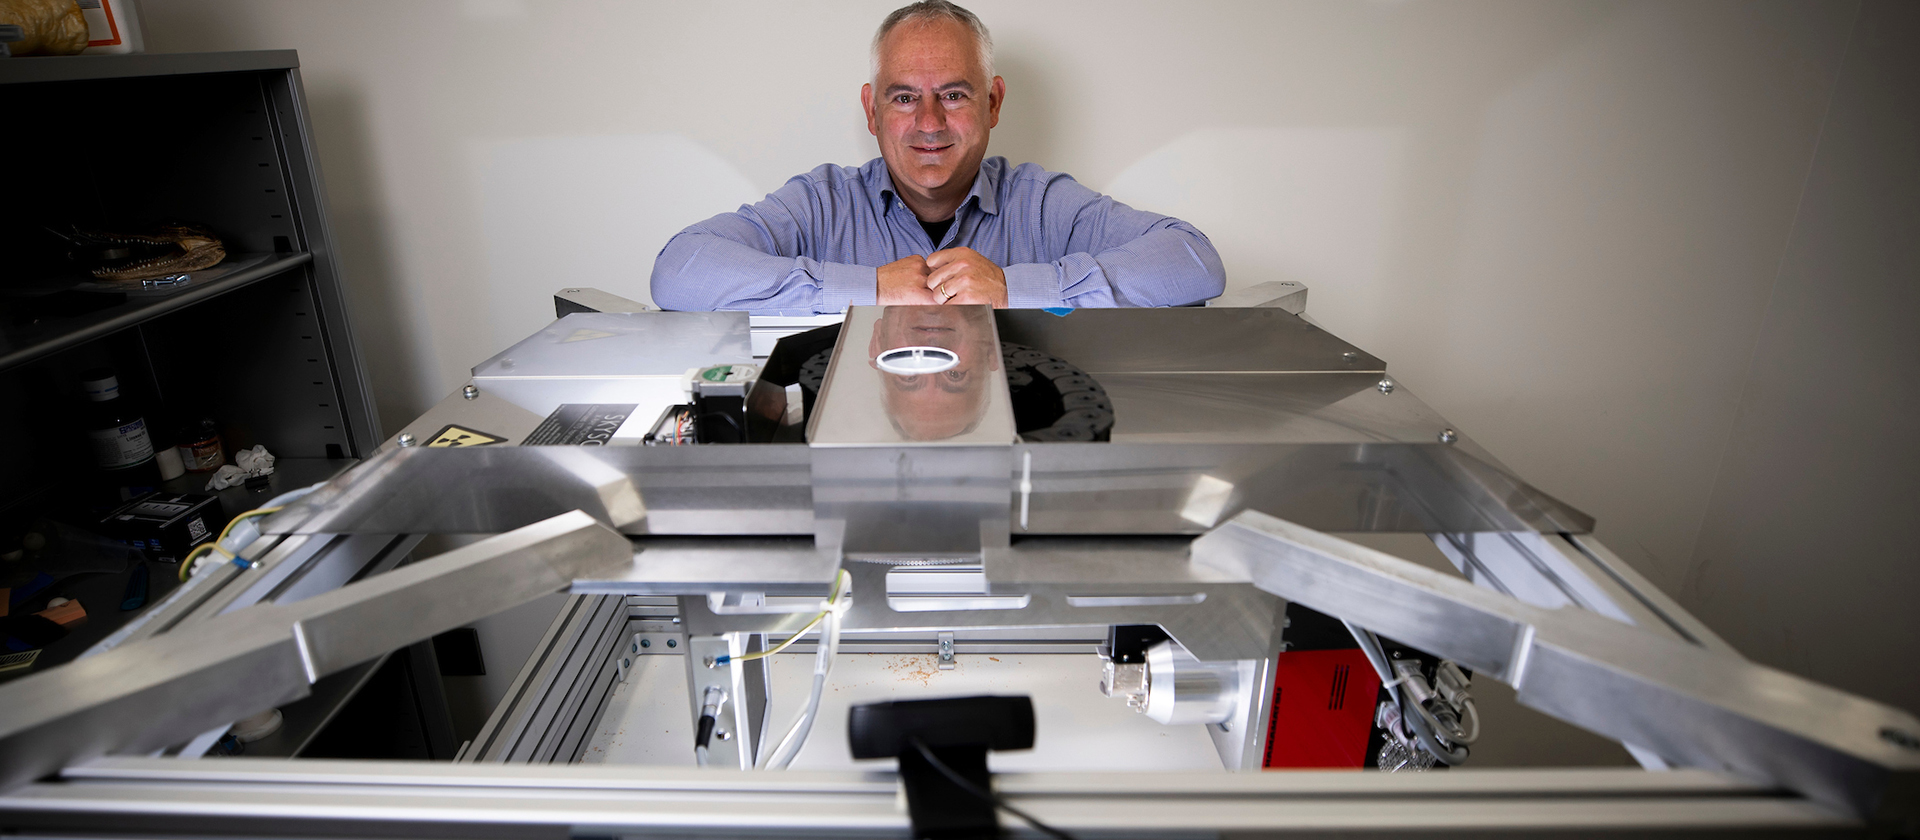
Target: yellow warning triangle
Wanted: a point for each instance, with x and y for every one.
(584, 334)
(457, 436)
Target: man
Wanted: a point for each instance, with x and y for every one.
(934, 220)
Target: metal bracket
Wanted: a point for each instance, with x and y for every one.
(704, 670)
(1689, 704)
(946, 650)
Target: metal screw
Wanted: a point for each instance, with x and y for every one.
(673, 643)
(254, 564)
(1900, 738)
(1448, 435)
(470, 392)
(710, 661)
(1350, 356)
(646, 643)
(723, 734)
(1386, 386)
(626, 663)
(405, 439)
(636, 648)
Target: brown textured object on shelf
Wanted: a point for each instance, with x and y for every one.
(194, 248)
(53, 27)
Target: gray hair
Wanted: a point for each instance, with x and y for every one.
(928, 11)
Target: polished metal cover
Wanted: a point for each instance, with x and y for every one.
(913, 464)
(966, 404)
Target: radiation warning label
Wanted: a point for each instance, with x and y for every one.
(453, 436)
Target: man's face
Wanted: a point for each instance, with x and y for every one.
(931, 106)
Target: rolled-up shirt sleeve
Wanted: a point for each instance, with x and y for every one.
(751, 259)
(1114, 255)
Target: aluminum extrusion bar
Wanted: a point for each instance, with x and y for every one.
(1120, 488)
(261, 797)
(1686, 703)
(722, 490)
(1076, 488)
(676, 566)
(162, 690)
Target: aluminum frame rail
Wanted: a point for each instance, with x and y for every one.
(1686, 703)
(154, 692)
(148, 797)
(1062, 489)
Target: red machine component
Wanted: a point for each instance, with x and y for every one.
(1323, 703)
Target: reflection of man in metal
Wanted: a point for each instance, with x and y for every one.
(934, 220)
(937, 406)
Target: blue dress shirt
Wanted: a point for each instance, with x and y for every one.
(813, 245)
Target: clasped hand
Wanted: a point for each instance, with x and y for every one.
(956, 275)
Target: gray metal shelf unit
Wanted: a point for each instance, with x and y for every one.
(221, 139)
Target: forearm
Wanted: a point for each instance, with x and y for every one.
(1170, 265)
(699, 270)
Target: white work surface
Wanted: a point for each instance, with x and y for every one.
(647, 720)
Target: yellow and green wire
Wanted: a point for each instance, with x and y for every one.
(186, 565)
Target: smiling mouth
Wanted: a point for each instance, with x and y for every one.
(931, 150)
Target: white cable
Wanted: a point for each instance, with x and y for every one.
(1421, 721)
(796, 736)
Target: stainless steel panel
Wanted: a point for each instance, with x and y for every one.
(604, 357)
(1265, 408)
(862, 405)
(928, 501)
(488, 412)
(914, 464)
(1685, 703)
(1185, 340)
(1120, 488)
(790, 566)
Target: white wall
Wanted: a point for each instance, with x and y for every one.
(1810, 552)
(1559, 222)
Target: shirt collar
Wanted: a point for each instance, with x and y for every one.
(984, 194)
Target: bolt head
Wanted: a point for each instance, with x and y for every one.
(1900, 738)
(709, 662)
(626, 663)
(405, 439)
(470, 392)
(723, 734)
(646, 643)
(673, 643)
(1386, 386)
(634, 648)
(1449, 436)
